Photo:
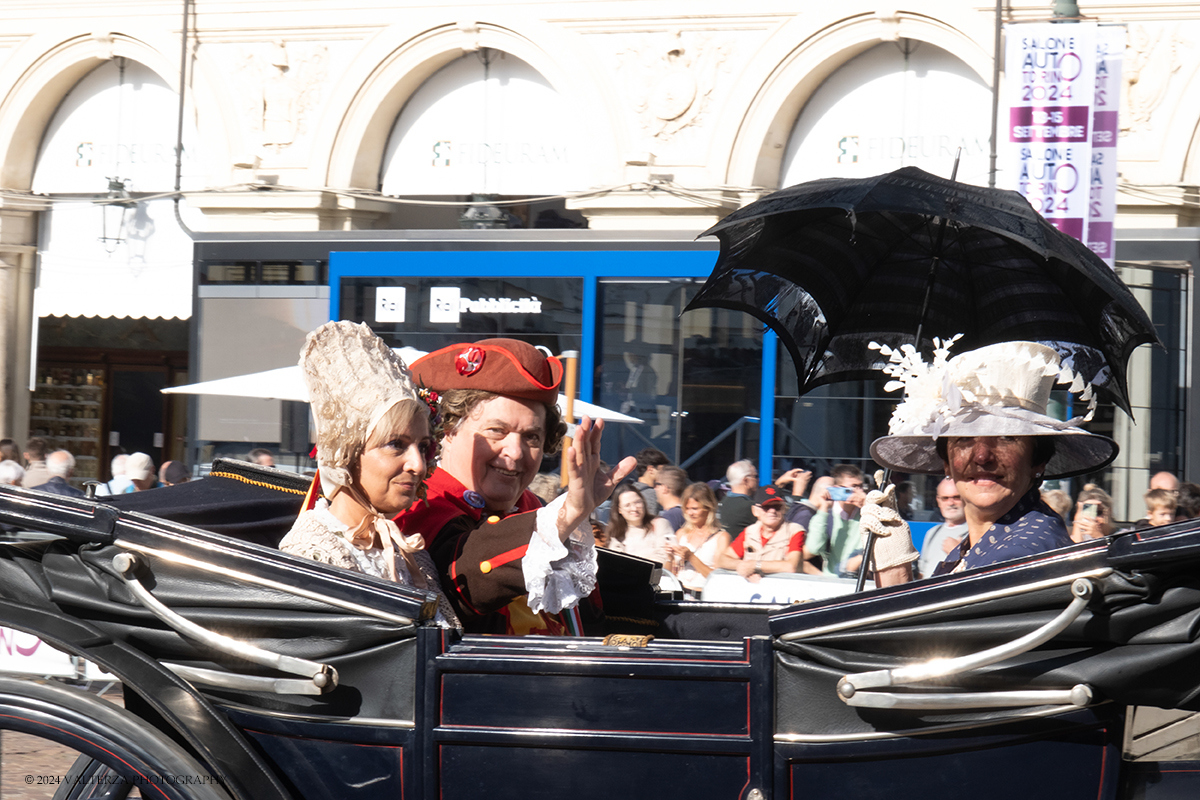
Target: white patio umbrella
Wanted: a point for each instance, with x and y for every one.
(284, 383)
(287, 383)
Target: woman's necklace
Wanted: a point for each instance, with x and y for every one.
(690, 535)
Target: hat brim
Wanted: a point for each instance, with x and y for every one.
(1076, 451)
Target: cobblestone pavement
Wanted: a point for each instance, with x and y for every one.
(28, 755)
(22, 755)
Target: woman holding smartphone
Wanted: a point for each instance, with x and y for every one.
(1093, 514)
(700, 540)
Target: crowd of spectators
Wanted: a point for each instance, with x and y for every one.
(52, 471)
(793, 524)
(799, 523)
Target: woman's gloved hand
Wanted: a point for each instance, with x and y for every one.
(893, 543)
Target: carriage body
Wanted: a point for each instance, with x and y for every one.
(727, 701)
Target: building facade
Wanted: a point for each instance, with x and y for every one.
(128, 127)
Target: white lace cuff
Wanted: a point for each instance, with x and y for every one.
(558, 575)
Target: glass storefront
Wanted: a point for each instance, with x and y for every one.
(832, 424)
(1154, 440)
(693, 379)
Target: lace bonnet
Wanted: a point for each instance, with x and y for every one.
(998, 390)
(353, 379)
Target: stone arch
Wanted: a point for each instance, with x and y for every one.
(1185, 138)
(1191, 161)
(53, 67)
(393, 67)
(755, 138)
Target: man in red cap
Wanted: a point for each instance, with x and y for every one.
(769, 545)
(508, 565)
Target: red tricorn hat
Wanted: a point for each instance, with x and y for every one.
(504, 366)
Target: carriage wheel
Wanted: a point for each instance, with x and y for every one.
(88, 779)
(114, 745)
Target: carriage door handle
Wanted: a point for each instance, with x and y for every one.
(321, 677)
(850, 687)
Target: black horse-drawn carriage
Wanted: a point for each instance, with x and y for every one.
(252, 674)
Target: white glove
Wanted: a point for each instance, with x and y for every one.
(893, 543)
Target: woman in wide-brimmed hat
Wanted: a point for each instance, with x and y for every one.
(980, 418)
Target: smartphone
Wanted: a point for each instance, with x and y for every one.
(1090, 510)
(840, 493)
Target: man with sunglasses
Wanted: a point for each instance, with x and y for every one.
(770, 545)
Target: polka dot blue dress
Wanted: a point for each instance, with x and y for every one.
(1030, 527)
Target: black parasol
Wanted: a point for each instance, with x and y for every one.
(832, 265)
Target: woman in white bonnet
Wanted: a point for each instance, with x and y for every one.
(375, 448)
(980, 418)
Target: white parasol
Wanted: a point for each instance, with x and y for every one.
(287, 383)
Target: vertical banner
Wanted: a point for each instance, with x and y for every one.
(1050, 71)
(1102, 194)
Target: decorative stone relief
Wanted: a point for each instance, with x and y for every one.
(670, 78)
(281, 86)
(1152, 58)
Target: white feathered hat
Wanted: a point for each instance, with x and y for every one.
(353, 379)
(998, 390)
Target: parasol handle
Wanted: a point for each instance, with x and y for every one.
(868, 560)
(570, 383)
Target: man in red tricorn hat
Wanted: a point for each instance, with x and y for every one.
(508, 565)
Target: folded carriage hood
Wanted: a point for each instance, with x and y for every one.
(1136, 643)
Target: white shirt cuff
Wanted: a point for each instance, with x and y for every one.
(558, 575)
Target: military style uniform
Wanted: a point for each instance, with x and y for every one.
(497, 566)
(479, 557)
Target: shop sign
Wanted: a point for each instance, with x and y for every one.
(446, 304)
(116, 124)
(109, 156)
(450, 154)
(499, 128)
(389, 303)
(900, 150)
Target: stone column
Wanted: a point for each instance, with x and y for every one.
(18, 249)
